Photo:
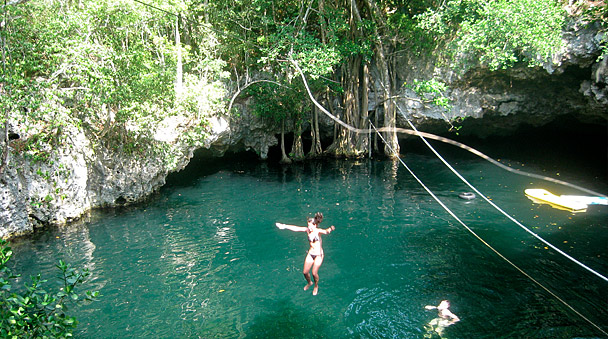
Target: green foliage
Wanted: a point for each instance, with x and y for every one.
(498, 33)
(268, 104)
(274, 103)
(340, 35)
(107, 67)
(315, 58)
(432, 90)
(263, 36)
(404, 27)
(36, 313)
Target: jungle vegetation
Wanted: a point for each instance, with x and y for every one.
(115, 69)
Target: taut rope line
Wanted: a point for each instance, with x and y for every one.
(421, 134)
(503, 212)
(485, 243)
(357, 130)
(438, 138)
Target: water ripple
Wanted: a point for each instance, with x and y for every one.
(207, 261)
(379, 313)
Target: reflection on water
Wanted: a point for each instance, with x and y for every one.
(205, 260)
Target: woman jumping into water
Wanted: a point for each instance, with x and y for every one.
(314, 257)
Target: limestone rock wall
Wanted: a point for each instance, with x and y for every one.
(74, 179)
(80, 176)
(573, 82)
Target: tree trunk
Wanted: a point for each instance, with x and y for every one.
(347, 143)
(179, 70)
(355, 97)
(334, 143)
(376, 149)
(297, 149)
(315, 148)
(348, 102)
(322, 20)
(391, 148)
(363, 139)
(284, 158)
(206, 7)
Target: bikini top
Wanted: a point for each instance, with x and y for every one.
(313, 237)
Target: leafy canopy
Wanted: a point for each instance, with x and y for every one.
(108, 67)
(498, 33)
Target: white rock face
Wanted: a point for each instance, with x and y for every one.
(13, 209)
(597, 86)
(41, 192)
(78, 177)
(574, 81)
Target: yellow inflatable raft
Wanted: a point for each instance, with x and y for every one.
(568, 202)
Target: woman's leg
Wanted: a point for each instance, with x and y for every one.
(315, 273)
(308, 263)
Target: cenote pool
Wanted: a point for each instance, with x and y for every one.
(203, 259)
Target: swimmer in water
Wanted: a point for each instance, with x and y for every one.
(314, 256)
(445, 318)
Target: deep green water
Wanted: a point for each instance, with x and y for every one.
(202, 258)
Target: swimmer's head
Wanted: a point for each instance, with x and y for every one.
(318, 218)
(443, 305)
(311, 222)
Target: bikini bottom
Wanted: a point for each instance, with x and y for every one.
(314, 256)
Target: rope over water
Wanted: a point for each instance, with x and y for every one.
(505, 213)
(422, 135)
(438, 138)
(490, 246)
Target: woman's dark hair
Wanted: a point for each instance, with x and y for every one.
(318, 218)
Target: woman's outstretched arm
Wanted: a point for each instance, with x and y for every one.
(327, 230)
(291, 227)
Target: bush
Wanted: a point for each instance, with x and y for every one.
(497, 34)
(36, 313)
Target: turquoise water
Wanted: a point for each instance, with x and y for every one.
(203, 259)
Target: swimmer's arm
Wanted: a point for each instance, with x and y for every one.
(327, 230)
(453, 316)
(291, 227)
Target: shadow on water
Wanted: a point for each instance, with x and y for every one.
(204, 163)
(565, 149)
(287, 320)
